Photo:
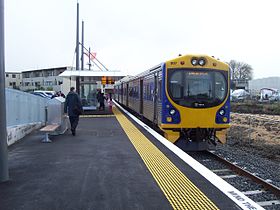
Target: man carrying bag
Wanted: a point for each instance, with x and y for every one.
(73, 107)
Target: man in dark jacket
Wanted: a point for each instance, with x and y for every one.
(101, 100)
(74, 108)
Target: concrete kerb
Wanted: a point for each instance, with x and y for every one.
(15, 133)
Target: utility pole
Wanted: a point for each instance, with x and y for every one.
(4, 172)
(77, 52)
(82, 49)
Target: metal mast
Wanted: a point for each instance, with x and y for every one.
(77, 52)
(89, 63)
(82, 49)
(4, 172)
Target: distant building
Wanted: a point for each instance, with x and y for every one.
(270, 82)
(13, 80)
(239, 84)
(62, 78)
(45, 79)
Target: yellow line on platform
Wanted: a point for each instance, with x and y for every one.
(178, 189)
(96, 116)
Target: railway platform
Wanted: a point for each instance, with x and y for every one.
(111, 163)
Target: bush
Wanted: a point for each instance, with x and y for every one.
(256, 108)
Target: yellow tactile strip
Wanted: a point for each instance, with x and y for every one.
(178, 189)
(97, 116)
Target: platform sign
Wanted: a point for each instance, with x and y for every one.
(107, 80)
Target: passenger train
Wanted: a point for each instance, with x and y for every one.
(188, 98)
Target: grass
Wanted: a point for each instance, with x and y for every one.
(255, 107)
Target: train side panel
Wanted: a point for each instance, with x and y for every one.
(134, 95)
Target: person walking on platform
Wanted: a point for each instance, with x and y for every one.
(73, 107)
(101, 100)
(98, 96)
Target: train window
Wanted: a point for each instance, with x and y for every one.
(148, 89)
(197, 88)
(147, 92)
(130, 92)
(220, 86)
(136, 92)
(151, 93)
(176, 84)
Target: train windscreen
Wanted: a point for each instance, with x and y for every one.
(197, 88)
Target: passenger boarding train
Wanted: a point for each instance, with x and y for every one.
(186, 97)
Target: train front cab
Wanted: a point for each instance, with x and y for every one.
(195, 102)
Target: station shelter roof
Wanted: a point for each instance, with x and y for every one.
(91, 73)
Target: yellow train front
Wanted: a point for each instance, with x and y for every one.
(186, 97)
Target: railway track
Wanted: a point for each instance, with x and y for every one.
(257, 189)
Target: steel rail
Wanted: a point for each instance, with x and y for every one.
(241, 171)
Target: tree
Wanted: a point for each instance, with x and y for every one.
(240, 70)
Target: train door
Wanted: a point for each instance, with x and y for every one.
(126, 96)
(118, 93)
(141, 96)
(155, 96)
(159, 97)
(121, 94)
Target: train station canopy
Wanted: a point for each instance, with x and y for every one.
(92, 73)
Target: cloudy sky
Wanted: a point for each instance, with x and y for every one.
(134, 35)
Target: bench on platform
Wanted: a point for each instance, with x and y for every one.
(47, 129)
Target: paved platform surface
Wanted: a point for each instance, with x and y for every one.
(98, 168)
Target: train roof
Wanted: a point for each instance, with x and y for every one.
(188, 57)
(91, 73)
(148, 71)
(129, 78)
(125, 79)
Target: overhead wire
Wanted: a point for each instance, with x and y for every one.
(90, 54)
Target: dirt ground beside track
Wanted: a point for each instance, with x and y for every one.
(258, 133)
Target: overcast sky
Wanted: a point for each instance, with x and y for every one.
(134, 35)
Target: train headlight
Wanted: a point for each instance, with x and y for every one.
(225, 119)
(172, 112)
(194, 61)
(169, 119)
(222, 112)
(201, 61)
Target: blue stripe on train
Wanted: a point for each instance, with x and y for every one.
(166, 105)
